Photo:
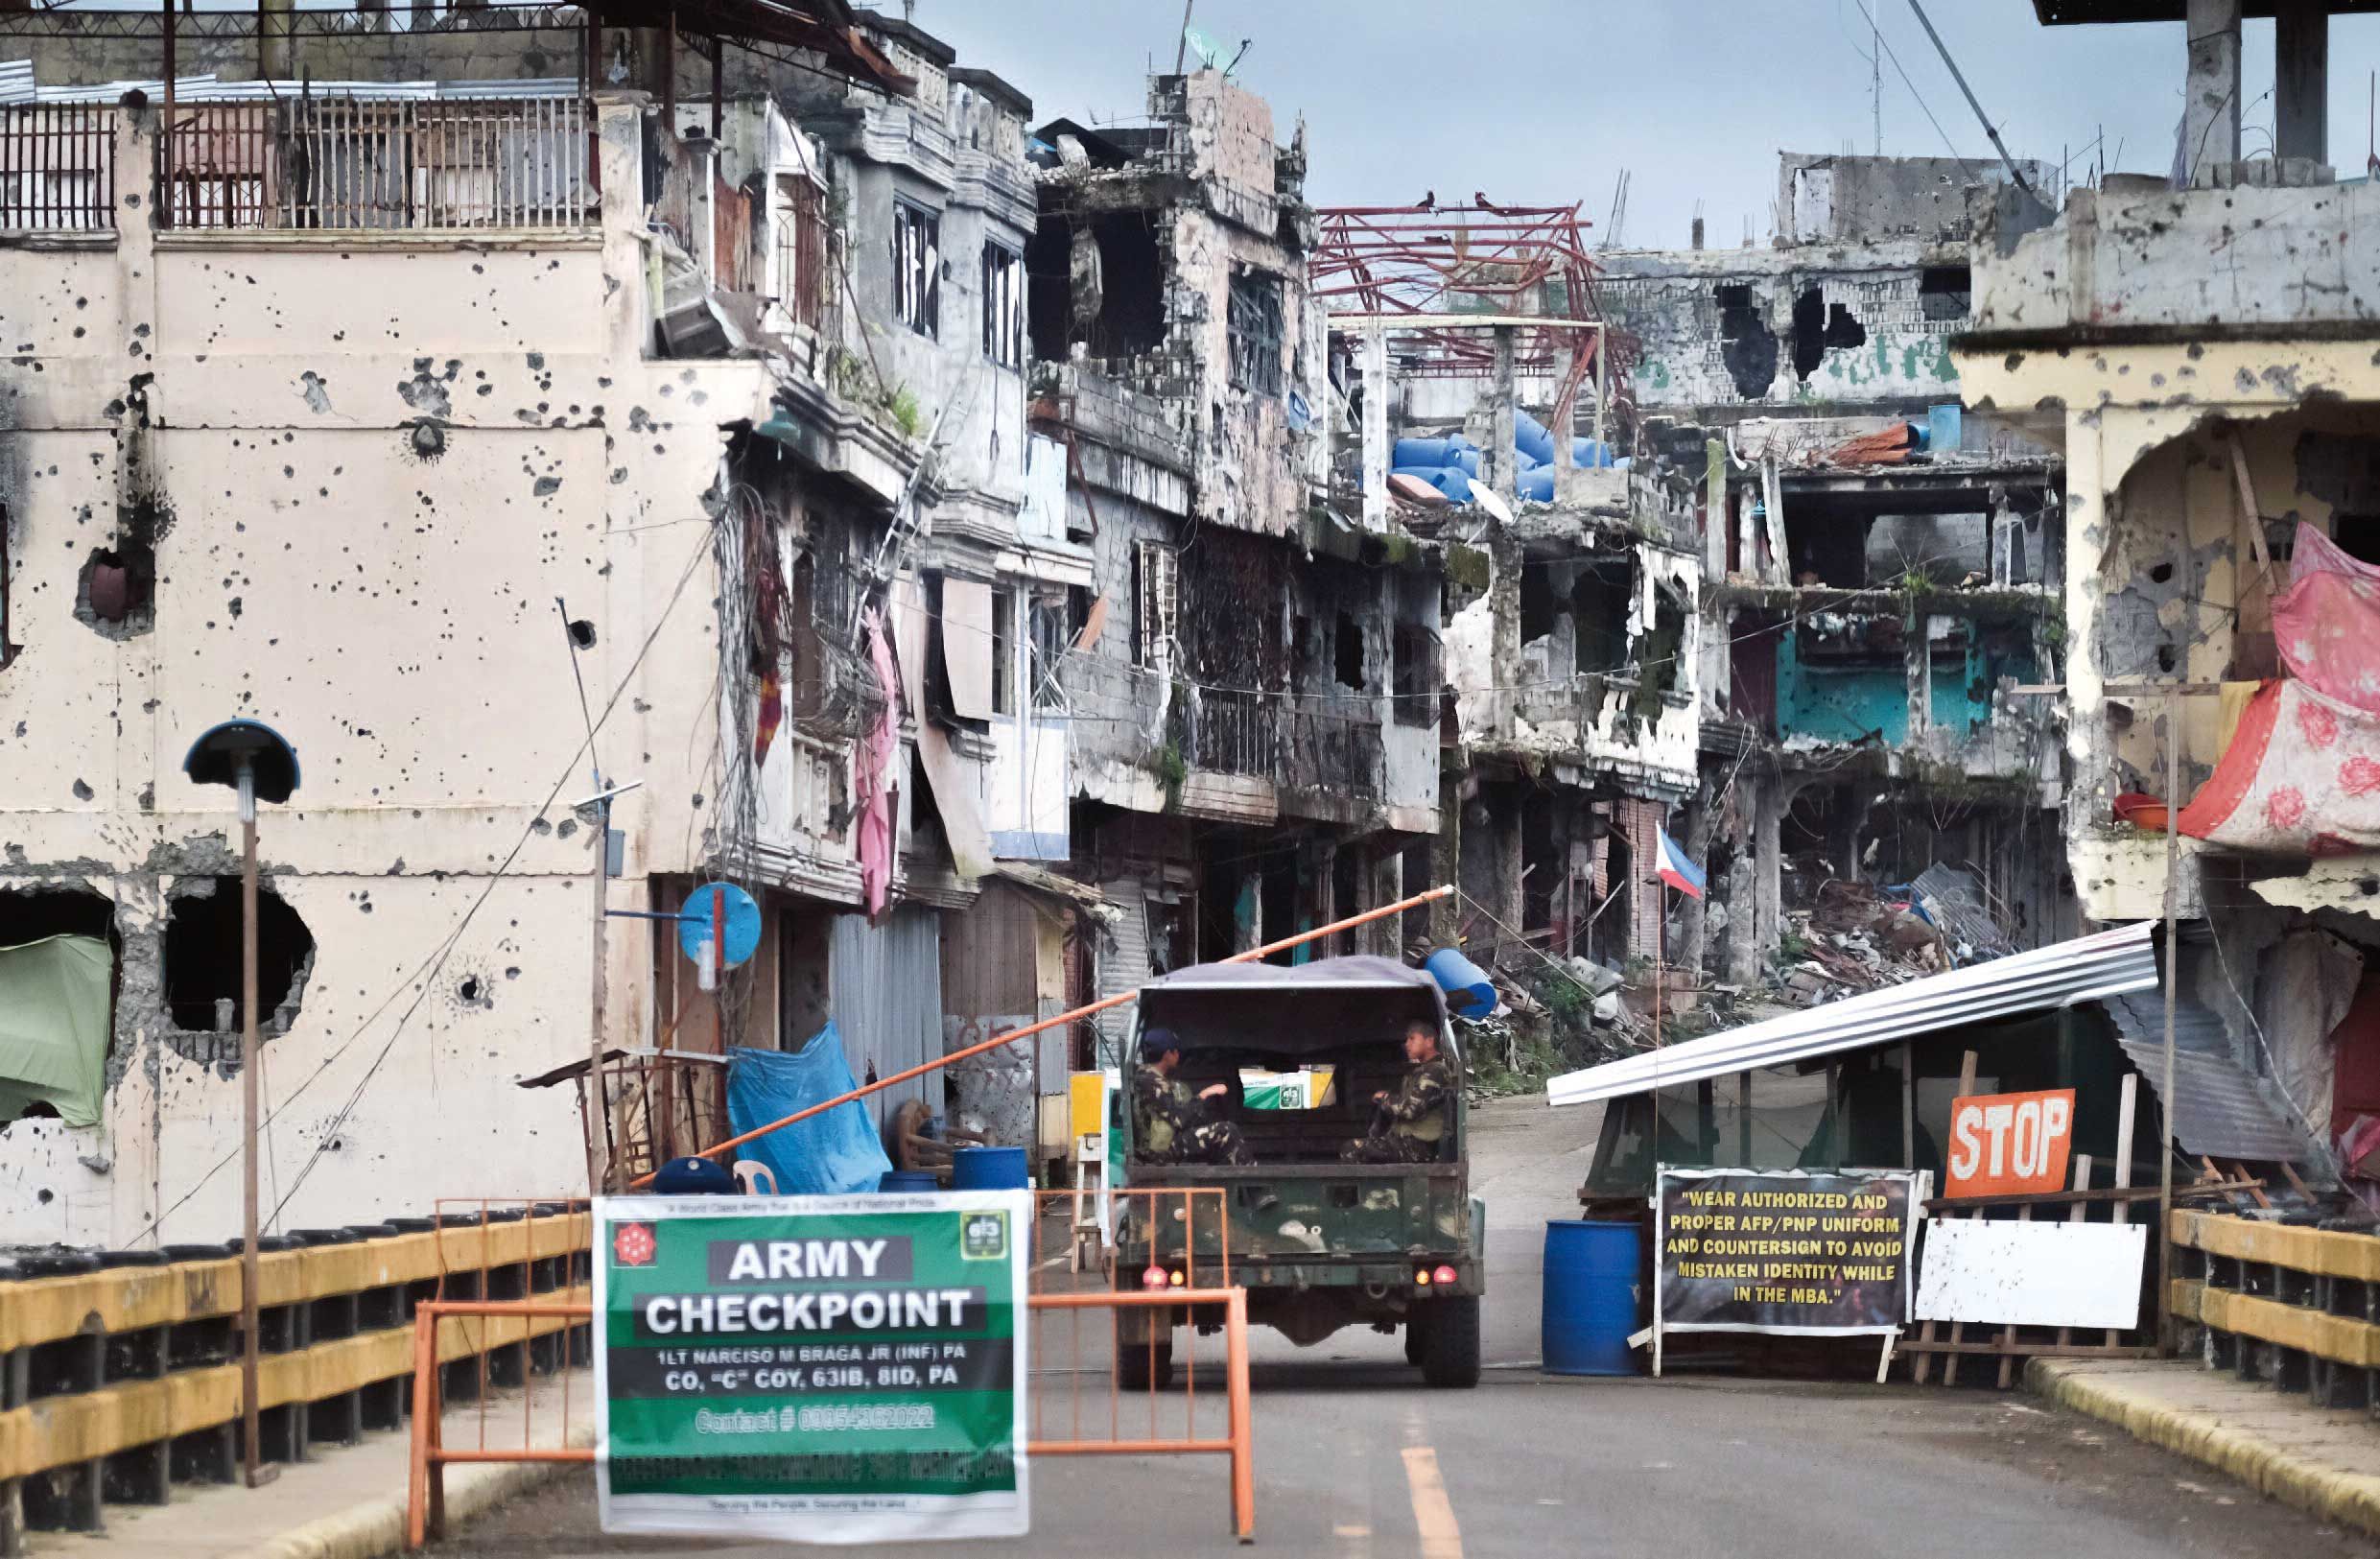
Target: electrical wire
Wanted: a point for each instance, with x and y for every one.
(1903, 72)
(426, 973)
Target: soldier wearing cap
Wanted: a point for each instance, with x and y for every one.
(1408, 1126)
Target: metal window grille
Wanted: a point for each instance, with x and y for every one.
(1256, 333)
(917, 268)
(1004, 306)
(57, 168)
(1156, 569)
(800, 238)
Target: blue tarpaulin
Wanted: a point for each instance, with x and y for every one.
(830, 1154)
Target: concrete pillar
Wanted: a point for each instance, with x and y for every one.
(1743, 940)
(1917, 660)
(1499, 463)
(2210, 111)
(1446, 860)
(1376, 448)
(2301, 80)
(1504, 565)
(1768, 887)
(1564, 429)
(1688, 953)
(275, 57)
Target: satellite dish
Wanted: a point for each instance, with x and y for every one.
(739, 923)
(1486, 498)
(1203, 47)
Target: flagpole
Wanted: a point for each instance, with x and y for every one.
(1660, 955)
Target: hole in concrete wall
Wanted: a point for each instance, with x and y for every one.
(428, 441)
(1100, 281)
(2161, 573)
(2166, 658)
(1938, 549)
(1946, 292)
(469, 989)
(1820, 327)
(115, 595)
(581, 634)
(1347, 653)
(202, 959)
(1657, 656)
(1747, 345)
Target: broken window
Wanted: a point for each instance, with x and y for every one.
(1747, 345)
(203, 958)
(1347, 653)
(1600, 602)
(115, 595)
(1946, 292)
(917, 268)
(1256, 333)
(1155, 581)
(1414, 649)
(1046, 638)
(1004, 648)
(1820, 327)
(1004, 306)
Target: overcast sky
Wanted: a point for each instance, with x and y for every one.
(1544, 102)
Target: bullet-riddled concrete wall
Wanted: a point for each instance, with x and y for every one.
(368, 465)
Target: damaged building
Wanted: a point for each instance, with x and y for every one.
(1880, 605)
(1251, 678)
(2198, 345)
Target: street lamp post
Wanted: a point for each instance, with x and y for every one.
(254, 761)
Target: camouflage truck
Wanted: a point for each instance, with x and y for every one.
(1317, 1242)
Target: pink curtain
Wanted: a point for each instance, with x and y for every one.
(873, 783)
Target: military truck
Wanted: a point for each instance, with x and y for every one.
(1318, 1243)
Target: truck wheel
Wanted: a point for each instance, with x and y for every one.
(1451, 1343)
(1414, 1333)
(1139, 1366)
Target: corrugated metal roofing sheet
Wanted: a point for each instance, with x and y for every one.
(2087, 969)
(2218, 1109)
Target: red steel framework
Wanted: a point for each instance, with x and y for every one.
(1431, 260)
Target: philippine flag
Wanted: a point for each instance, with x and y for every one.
(1675, 869)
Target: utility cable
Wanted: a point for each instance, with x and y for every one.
(427, 972)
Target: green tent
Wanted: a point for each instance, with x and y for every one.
(54, 1001)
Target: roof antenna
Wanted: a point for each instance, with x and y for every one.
(1997, 145)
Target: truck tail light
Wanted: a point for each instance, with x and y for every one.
(1176, 1279)
(1421, 1278)
(1444, 1275)
(1153, 1278)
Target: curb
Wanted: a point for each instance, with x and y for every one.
(2317, 1488)
(376, 1528)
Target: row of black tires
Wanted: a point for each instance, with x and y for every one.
(1442, 1339)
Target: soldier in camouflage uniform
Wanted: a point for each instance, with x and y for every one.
(1169, 1124)
(1408, 1126)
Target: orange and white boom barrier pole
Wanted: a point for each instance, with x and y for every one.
(1103, 1005)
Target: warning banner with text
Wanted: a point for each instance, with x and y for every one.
(1783, 1250)
(811, 1369)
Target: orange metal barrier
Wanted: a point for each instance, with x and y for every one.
(425, 1492)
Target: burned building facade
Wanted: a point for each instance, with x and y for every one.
(1251, 678)
(1880, 613)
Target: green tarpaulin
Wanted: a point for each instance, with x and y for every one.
(53, 1027)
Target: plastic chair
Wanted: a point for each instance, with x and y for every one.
(750, 1172)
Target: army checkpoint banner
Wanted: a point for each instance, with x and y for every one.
(813, 1369)
(1808, 1253)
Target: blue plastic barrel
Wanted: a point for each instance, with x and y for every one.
(1536, 484)
(1531, 437)
(1426, 452)
(908, 1180)
(1589, 1305)
(988, 1168)
(1469, 992)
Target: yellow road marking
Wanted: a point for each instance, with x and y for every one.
(1433, 1514)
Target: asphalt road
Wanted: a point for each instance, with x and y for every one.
(1356, 1458)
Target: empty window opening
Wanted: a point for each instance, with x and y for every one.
(2358, 535)
(115, 596)
(1663, 648)
(1347, 653)
(202, 959)
(1825, 544)
(1004, 306)
(917, 268)
(1946, 292)
(1599, 607)
(1097, 281)
(1414, 649)
(1256, 333)
(1747, 345)
(1046, 638)
(1003, 649)
(1820, 327)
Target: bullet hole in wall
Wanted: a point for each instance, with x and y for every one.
(426, 439)
(202, 959)
(2161, 573)
(581, 634)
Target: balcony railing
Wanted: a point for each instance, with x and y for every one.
(371, 165)
(1333, 750)
(57, 168)
(1235, 733)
